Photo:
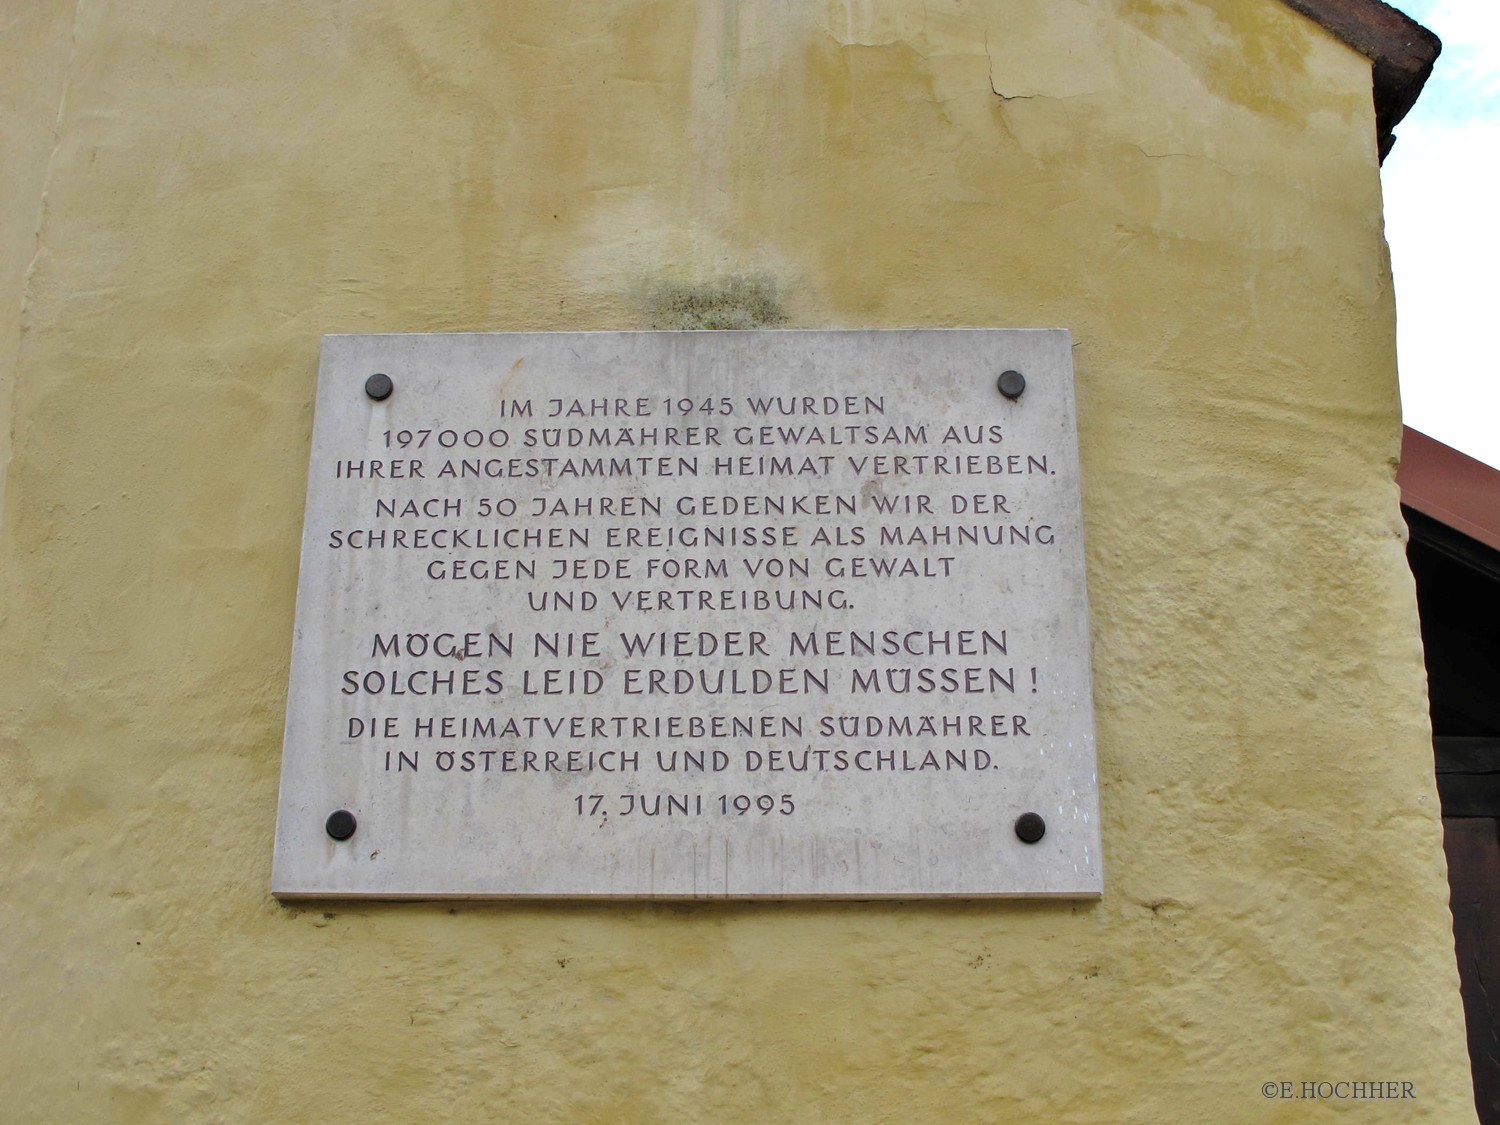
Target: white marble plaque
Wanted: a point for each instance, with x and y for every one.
(691, 615)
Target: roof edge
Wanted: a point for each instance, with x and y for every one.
(1451, 487)
(1401, 52)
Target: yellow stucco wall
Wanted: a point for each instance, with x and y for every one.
(194, 193)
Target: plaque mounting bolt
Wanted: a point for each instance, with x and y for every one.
(1011, 384)
(379, 386)
(1029, 828)
(341, 824)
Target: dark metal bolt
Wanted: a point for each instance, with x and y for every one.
(1011, 384)
(1029, 827)
(379, 387)
(341, 824)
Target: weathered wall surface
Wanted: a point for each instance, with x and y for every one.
(195, 193)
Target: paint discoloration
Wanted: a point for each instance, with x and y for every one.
(729, 303)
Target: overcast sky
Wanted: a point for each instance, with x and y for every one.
(1441, 184)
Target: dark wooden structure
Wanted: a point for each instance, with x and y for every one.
(1452, 505)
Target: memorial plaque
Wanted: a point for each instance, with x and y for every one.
(692, 615)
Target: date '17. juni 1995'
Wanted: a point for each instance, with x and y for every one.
(684, 804)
